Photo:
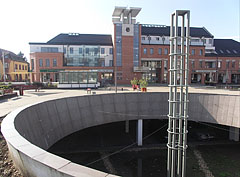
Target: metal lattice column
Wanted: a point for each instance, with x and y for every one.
(178, 94)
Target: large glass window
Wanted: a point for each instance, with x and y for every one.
(49, 49)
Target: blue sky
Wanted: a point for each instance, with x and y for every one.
(38, 21)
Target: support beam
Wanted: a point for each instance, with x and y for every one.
(234, 133)
(127, 126)
(139, 132)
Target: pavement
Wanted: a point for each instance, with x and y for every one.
(31, 96)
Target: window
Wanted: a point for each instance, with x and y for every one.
(40, 63)
(32, 64)
(25, 67)
(145, 50)
(219, 64)
(54, 62)
(221, 51)
(87, 50)
(151, 51)
(193, 51)
(64, 50)
(80, 50)
(235, 51)
(165, 51)
(210, 64)
(22, 67)
(200, 63)
(102, 50)
(49, 49)
(110, 51)
(193, 64)
(19, 67)
(16, 66)
(233, 63)
(160, 51)
(228, 51)
(110, 62)
(201, 52)
(71, 50)
(227, 64)
(47, 63)
(210, 41)
(143, 38)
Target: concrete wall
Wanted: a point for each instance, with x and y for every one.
(31, 130)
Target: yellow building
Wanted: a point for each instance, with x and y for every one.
(16, 68)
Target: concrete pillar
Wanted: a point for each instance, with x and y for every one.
(234, 133)
(127, 126)
(139, 132)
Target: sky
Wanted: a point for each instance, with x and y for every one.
(24, 21)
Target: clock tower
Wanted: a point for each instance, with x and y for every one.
(127, 42)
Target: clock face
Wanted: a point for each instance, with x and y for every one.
(127, 29)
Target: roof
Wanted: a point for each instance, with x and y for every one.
(12, 56)
(81, 39)
(226, 48)
(119, 10)
(162, 30)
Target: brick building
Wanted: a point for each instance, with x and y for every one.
(135, 50)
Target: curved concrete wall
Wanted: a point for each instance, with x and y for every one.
(31, 130)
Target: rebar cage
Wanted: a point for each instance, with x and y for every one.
(178, 93)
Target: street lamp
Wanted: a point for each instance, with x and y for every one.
(163, 39)
(3, 58)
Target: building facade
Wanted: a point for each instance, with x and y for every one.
(67, 53)
(134, 51)
(15, 67)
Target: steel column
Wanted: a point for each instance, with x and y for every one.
(178, 95)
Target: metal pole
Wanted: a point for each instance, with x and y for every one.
(4, 76)
(115, 75)
(186, 95)
(179, 170)
(169, 160)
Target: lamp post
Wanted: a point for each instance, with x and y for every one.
(3, 57)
